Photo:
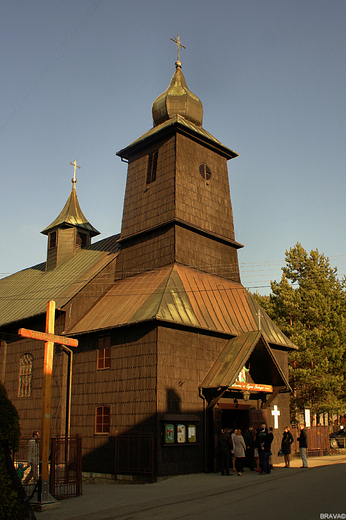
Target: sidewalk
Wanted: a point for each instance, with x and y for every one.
(105, 501)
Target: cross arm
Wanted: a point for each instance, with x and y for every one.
(45, 336)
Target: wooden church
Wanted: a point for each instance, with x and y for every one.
(171, 345)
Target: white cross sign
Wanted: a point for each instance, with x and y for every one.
(276, 414)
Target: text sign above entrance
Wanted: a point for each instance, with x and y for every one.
(252, 387)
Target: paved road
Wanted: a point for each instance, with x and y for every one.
(283, 495)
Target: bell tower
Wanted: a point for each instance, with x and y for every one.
(177, 205)
(69, 232)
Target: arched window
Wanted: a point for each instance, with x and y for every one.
(25, 375)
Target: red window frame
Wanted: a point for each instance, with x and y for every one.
(104, 352)
(102, 420)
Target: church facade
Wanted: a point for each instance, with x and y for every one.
(171, 344)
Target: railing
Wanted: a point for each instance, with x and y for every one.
(65, 466)
(318, 441)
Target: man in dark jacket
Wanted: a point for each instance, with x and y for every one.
(303, 444)
(226, 447)
(249, 443)
(265, 442)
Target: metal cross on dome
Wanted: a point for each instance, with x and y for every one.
(75, 165)
(179, 44)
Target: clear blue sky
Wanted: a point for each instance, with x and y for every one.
(78, 78)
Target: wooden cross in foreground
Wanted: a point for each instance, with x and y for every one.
(49, 338)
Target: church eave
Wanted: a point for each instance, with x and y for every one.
(85, 226)
(170, 127)
(186, 225)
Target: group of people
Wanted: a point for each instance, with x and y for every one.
(253, 449)
(287, 440)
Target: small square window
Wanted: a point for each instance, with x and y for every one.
(82, 240)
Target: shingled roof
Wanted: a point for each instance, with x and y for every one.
(25, 294)
(180, 295)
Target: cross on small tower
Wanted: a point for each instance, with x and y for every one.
(179, 44)
(276, 414)
(74, 164)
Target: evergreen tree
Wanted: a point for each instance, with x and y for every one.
(308, 304)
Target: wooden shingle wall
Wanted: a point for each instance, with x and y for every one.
(128, 388)
(87, 296)
(148, 205)
(206, 254)
(184, 358)
(65, 247)
(205, 204)
(143, 253)
(30, 407)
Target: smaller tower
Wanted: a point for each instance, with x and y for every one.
(69, 232)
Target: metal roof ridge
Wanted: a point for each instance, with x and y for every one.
(164, 291)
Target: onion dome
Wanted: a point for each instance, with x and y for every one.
(177, 99)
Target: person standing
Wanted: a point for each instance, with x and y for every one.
(33, 457)
(239, 450)
(286, 442)
(226, 447)
(269, 440)
(256, 452)
(249, 443)
(303, 444)
(261, 433)
(265, 450)
(232, 432)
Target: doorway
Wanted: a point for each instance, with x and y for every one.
(235, 419)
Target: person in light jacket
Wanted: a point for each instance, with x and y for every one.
(33, 458)
(239, 449)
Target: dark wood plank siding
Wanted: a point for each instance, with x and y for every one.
(206, 254)
(86, 297)
(128, 388)
(30, 407)
(149, 205)
(153, 250)
(203, 203)
(184, 358)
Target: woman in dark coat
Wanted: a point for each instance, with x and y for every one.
(286, 442)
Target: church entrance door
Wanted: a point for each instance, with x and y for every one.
(236, 418)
